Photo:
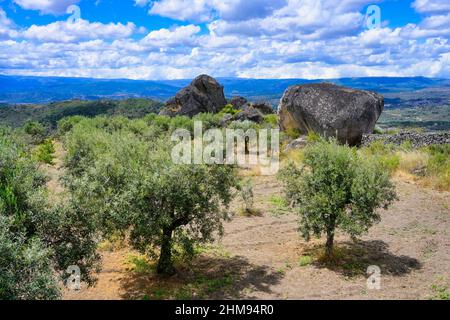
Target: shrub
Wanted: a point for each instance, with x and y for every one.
(293, 133)
(229, 109)
(271, 120)
(26, 271)
(209, 120)
(337, 189)
(45, 152)
(181, 122)
(161, 122)
(66, 124)
(37, 240)
(36, 130)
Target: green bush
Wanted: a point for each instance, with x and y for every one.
(66, 124)
(45, 152)
(209, 120)
(26, 271)
(337, 189)
(38, 239)
(36, 130)
(271, 120)
(181, 122)
(229, 109)
(161, 122)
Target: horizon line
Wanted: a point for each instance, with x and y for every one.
(224, 77)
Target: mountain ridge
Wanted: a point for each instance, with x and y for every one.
(34, 89)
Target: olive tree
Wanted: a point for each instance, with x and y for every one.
(38, 239)
(337, 188)
(130, 182)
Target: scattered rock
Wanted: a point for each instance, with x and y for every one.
(264, 107)
(331, 111)
(249, 113)
(297, 144)
(238, 102)
(227, 118)
(417, 140)
(204, 94)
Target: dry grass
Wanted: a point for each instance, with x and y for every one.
(413, 161)
(413, 166)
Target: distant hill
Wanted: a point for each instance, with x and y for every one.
(20, 89)
(50, 114)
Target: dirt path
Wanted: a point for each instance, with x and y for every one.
(55, 171)
(261, 255)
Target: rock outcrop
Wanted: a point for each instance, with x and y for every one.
(264, 107)
(238, 102)
(249, 113)
(296, 144)
(331, 111)
(204, 94)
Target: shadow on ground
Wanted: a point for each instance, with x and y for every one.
(206, 278)
(353, 259)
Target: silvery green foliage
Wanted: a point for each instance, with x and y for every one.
(38, 239)
(26, 270)
(128, 181)
(337, 188)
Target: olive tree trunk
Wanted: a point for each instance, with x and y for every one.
(330, 244)
(330, 236)
(165, 263)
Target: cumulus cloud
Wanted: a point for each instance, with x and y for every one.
(427, 6)
(195, 10)
(6, 26)
(63, 31)
(266, 39)
(46, 6)
(180, 36)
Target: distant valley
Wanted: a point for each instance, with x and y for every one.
(410, 102)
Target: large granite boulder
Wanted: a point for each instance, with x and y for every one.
(331, 111)
(204, 94)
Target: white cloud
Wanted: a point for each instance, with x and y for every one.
(195, 10)
(180, 36)
(280, 39)
(427, 6)
(63, 31)
(141, 3)
(46, 6)
(6, 26)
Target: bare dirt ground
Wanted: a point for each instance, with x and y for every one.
(259, 257)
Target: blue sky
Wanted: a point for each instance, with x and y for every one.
(169, 39)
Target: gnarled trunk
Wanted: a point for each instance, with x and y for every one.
(165, 263)
(329, 245)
